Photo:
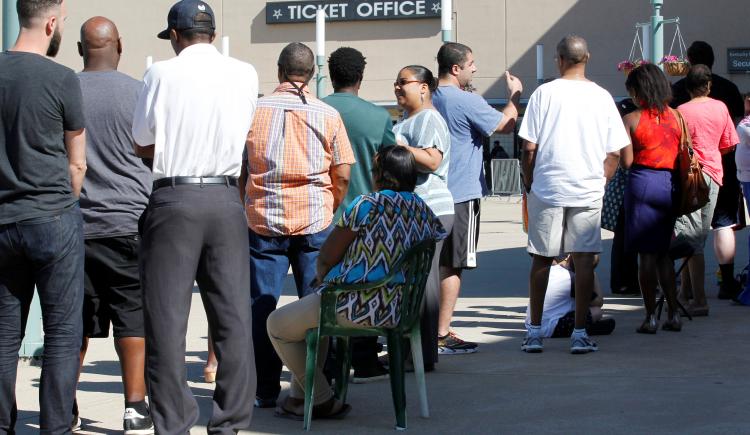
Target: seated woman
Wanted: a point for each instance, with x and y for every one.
(373, 233)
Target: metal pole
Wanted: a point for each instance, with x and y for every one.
(446, 20)
(33, 343)
(540, 64)
(10, 23)
(657, 32)
(320, 52)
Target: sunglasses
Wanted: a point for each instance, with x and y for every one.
(403, 82)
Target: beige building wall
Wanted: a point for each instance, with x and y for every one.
(502, 33)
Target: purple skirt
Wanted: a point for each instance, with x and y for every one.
(649, 210)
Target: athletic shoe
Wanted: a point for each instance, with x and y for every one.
(133, 423)
(582, 344)
(452, 345)
(374, 373)
(265, 403)
(75, 425)
(532, 344)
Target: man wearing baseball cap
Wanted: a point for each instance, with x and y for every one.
(192, 118)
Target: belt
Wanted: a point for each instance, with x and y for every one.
(201, 181)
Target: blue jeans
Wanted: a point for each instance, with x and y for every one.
(48, 253)
(270, 258)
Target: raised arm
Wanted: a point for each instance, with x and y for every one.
(511, 110)
(75, 144)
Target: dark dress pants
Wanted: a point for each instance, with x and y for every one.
(270, 258)
(624, 265)
(193, 232)
(47, 252)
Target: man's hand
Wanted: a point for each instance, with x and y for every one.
(515, 87)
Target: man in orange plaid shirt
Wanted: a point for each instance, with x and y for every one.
(295, 174)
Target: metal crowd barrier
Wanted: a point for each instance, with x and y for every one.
(506, 177)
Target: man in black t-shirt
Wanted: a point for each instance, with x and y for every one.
(729, 214)
(42, 164)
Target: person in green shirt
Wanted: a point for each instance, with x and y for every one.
(369, 128)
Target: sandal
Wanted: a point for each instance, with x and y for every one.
(293, 409)
(649, 325)
(673, 324)
(697, 311)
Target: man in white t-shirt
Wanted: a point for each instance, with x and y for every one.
(573, 134)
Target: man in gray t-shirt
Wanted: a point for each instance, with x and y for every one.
(113, 197)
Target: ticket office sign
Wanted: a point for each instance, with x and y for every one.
(351, 10)
(738, 60)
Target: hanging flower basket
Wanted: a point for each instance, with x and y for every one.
(626, 66)
(675, 66)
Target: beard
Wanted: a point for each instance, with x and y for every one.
(54, 44)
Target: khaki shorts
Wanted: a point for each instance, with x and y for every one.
(557, 230)
(692, 229)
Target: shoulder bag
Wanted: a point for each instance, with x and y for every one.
(693, 188)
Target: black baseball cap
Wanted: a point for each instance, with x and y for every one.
(182, 17)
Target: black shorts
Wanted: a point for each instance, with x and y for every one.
(112, 288)
(730, 204)
(460, 248)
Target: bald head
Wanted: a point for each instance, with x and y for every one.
(297, 62)
(100, 44)
(573, 50)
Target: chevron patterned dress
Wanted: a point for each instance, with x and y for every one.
(387, 224)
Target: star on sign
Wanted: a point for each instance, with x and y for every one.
(277, 13)
(436, 7)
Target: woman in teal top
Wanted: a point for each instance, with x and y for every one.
(425, 134)
(372, 235)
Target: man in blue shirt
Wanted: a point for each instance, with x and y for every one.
(470, 119)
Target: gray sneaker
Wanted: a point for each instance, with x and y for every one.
(582, 344)
(532, 344)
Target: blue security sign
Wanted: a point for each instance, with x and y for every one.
(738, 60)
(351, 10)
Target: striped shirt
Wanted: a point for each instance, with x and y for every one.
(427, 129)
(291, 148)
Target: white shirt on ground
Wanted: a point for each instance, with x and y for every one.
(574, 124)
(557, 301)
(196, 109)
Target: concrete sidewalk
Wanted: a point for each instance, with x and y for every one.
(692, 382)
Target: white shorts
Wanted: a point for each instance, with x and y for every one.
(559, 230)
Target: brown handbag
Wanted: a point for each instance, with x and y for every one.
(693, 188)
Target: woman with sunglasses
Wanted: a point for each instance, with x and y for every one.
(424, 133)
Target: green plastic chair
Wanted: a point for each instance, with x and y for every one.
(416, 263)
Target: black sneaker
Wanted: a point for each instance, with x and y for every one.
(452, 345)
(133, 423)
(75, 425)
(373, 373)
(264, 403)
(729, 290)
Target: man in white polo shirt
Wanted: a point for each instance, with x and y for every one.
(192, 118)
(573, 135)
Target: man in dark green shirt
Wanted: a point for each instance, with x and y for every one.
(369, 128)
(367, 125)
